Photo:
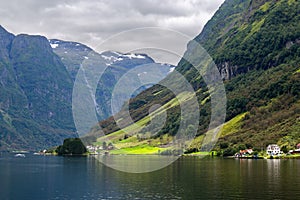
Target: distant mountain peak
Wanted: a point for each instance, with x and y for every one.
(116, 54)
(6, 39)
(5, 33)
(2, 29)
(56, 43)
(133, 55)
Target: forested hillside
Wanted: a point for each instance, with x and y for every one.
(256, 47)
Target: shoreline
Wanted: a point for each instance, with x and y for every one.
(197, 154)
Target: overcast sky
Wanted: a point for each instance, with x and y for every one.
(93, 21)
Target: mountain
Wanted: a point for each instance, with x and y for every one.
(115, 65)
(36, 93)
(36, 84)
(255, 45)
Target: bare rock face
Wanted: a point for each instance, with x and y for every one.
(227, 71)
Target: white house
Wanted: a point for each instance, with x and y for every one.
(93, 149)
(273, 149)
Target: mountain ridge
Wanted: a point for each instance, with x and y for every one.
(75, 56)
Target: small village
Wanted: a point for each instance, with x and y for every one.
(272, 151)
(104, 149)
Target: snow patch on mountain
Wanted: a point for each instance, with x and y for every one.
(132, 55)
(53, 46)
(172, 69)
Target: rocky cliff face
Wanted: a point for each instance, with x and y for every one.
(227, 71)
(35, 100)
(43, 79)
(244, 29)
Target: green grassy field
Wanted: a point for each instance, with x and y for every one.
(143, 149)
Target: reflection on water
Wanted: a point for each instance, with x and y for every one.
(39, 177)
(136, 163)
(273, 181)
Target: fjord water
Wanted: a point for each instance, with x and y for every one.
(51, 177)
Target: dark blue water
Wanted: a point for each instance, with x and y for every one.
(50, 177)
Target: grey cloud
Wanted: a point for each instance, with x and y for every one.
(92, 21)
(174, 8)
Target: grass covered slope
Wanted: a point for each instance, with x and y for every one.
(270, 113)
(256, 46)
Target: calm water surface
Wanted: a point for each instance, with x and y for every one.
(49, 177)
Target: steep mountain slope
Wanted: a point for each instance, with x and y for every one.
(255, 45)
(74, 55)
(35, 94)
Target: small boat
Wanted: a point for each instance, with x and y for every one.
(20, 155)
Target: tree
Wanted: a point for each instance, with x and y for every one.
(71, 146)
(229, 151)
(224, 145)
(104, 145)
(242, 147)
(191, 130)
(284, 149)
